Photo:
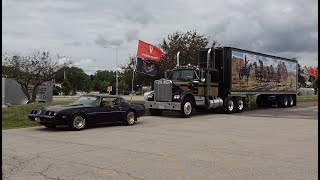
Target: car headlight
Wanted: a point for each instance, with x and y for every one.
(55, 113)
(176, 96)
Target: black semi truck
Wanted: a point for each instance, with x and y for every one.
(225, 78)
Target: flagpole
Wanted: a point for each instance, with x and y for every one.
(133, 71)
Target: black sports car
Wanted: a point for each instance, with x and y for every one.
(88, 109)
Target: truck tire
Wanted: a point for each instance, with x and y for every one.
(290, 100)
(228, 105)
(186, 108)
(259, 101)
(155, 112)
(282, 101)
(239, 104)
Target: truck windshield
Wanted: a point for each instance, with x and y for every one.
(183, 75)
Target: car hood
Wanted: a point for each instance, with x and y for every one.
(64, 107)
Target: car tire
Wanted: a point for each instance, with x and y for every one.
(228, 105)
(155, 112)
(78, 122)
(186, 108)
(130, 118)
(50, 126)
(239, 104)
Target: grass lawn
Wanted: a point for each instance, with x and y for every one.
(16, 116)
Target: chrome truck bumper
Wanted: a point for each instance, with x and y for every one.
(163, 105)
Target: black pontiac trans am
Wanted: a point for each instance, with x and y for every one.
(88, 109)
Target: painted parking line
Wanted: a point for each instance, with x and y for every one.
(304, 109)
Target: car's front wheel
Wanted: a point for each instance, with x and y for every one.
(78, 122)
(130, 118)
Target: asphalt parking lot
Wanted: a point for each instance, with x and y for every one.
(257, 144)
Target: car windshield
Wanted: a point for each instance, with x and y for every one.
(86, 100)
(183, 75)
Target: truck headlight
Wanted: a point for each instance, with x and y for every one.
(150, 95)
(176, 96)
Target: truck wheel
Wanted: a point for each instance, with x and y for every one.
(239, 104)
(259, 101)
(290, 101)
(282, 101)
(228, 105)
(155, 112)
(186, 108)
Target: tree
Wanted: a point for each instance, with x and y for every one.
(30, 70)
(75, 75)
(100, 76)
(56, 90)
(122, 86)
(87, 84)
(301, 78)
(103, 86)
(188, 44)
(66, 87)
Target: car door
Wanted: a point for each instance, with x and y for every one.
(103, 113)
(117, 111)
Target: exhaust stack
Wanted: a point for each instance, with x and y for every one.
(208, 76)
(178, 58)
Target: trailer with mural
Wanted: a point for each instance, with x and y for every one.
(226, 78)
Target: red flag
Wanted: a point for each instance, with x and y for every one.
(148, 51)
(313, 72)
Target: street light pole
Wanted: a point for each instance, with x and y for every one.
(117, 71)
(116, 68)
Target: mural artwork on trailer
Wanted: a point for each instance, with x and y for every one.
(251, 72)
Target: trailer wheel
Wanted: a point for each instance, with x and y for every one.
(239, 104)
(282, 101)
(228, 105)
(290, 101)
(155, 112)
(186, 108)
(259, 101)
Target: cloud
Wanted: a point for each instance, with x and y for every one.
(78, 29)
(132, 35)
(103, 42)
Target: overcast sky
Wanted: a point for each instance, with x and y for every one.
(90, 32)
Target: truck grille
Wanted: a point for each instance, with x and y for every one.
(162, 90)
